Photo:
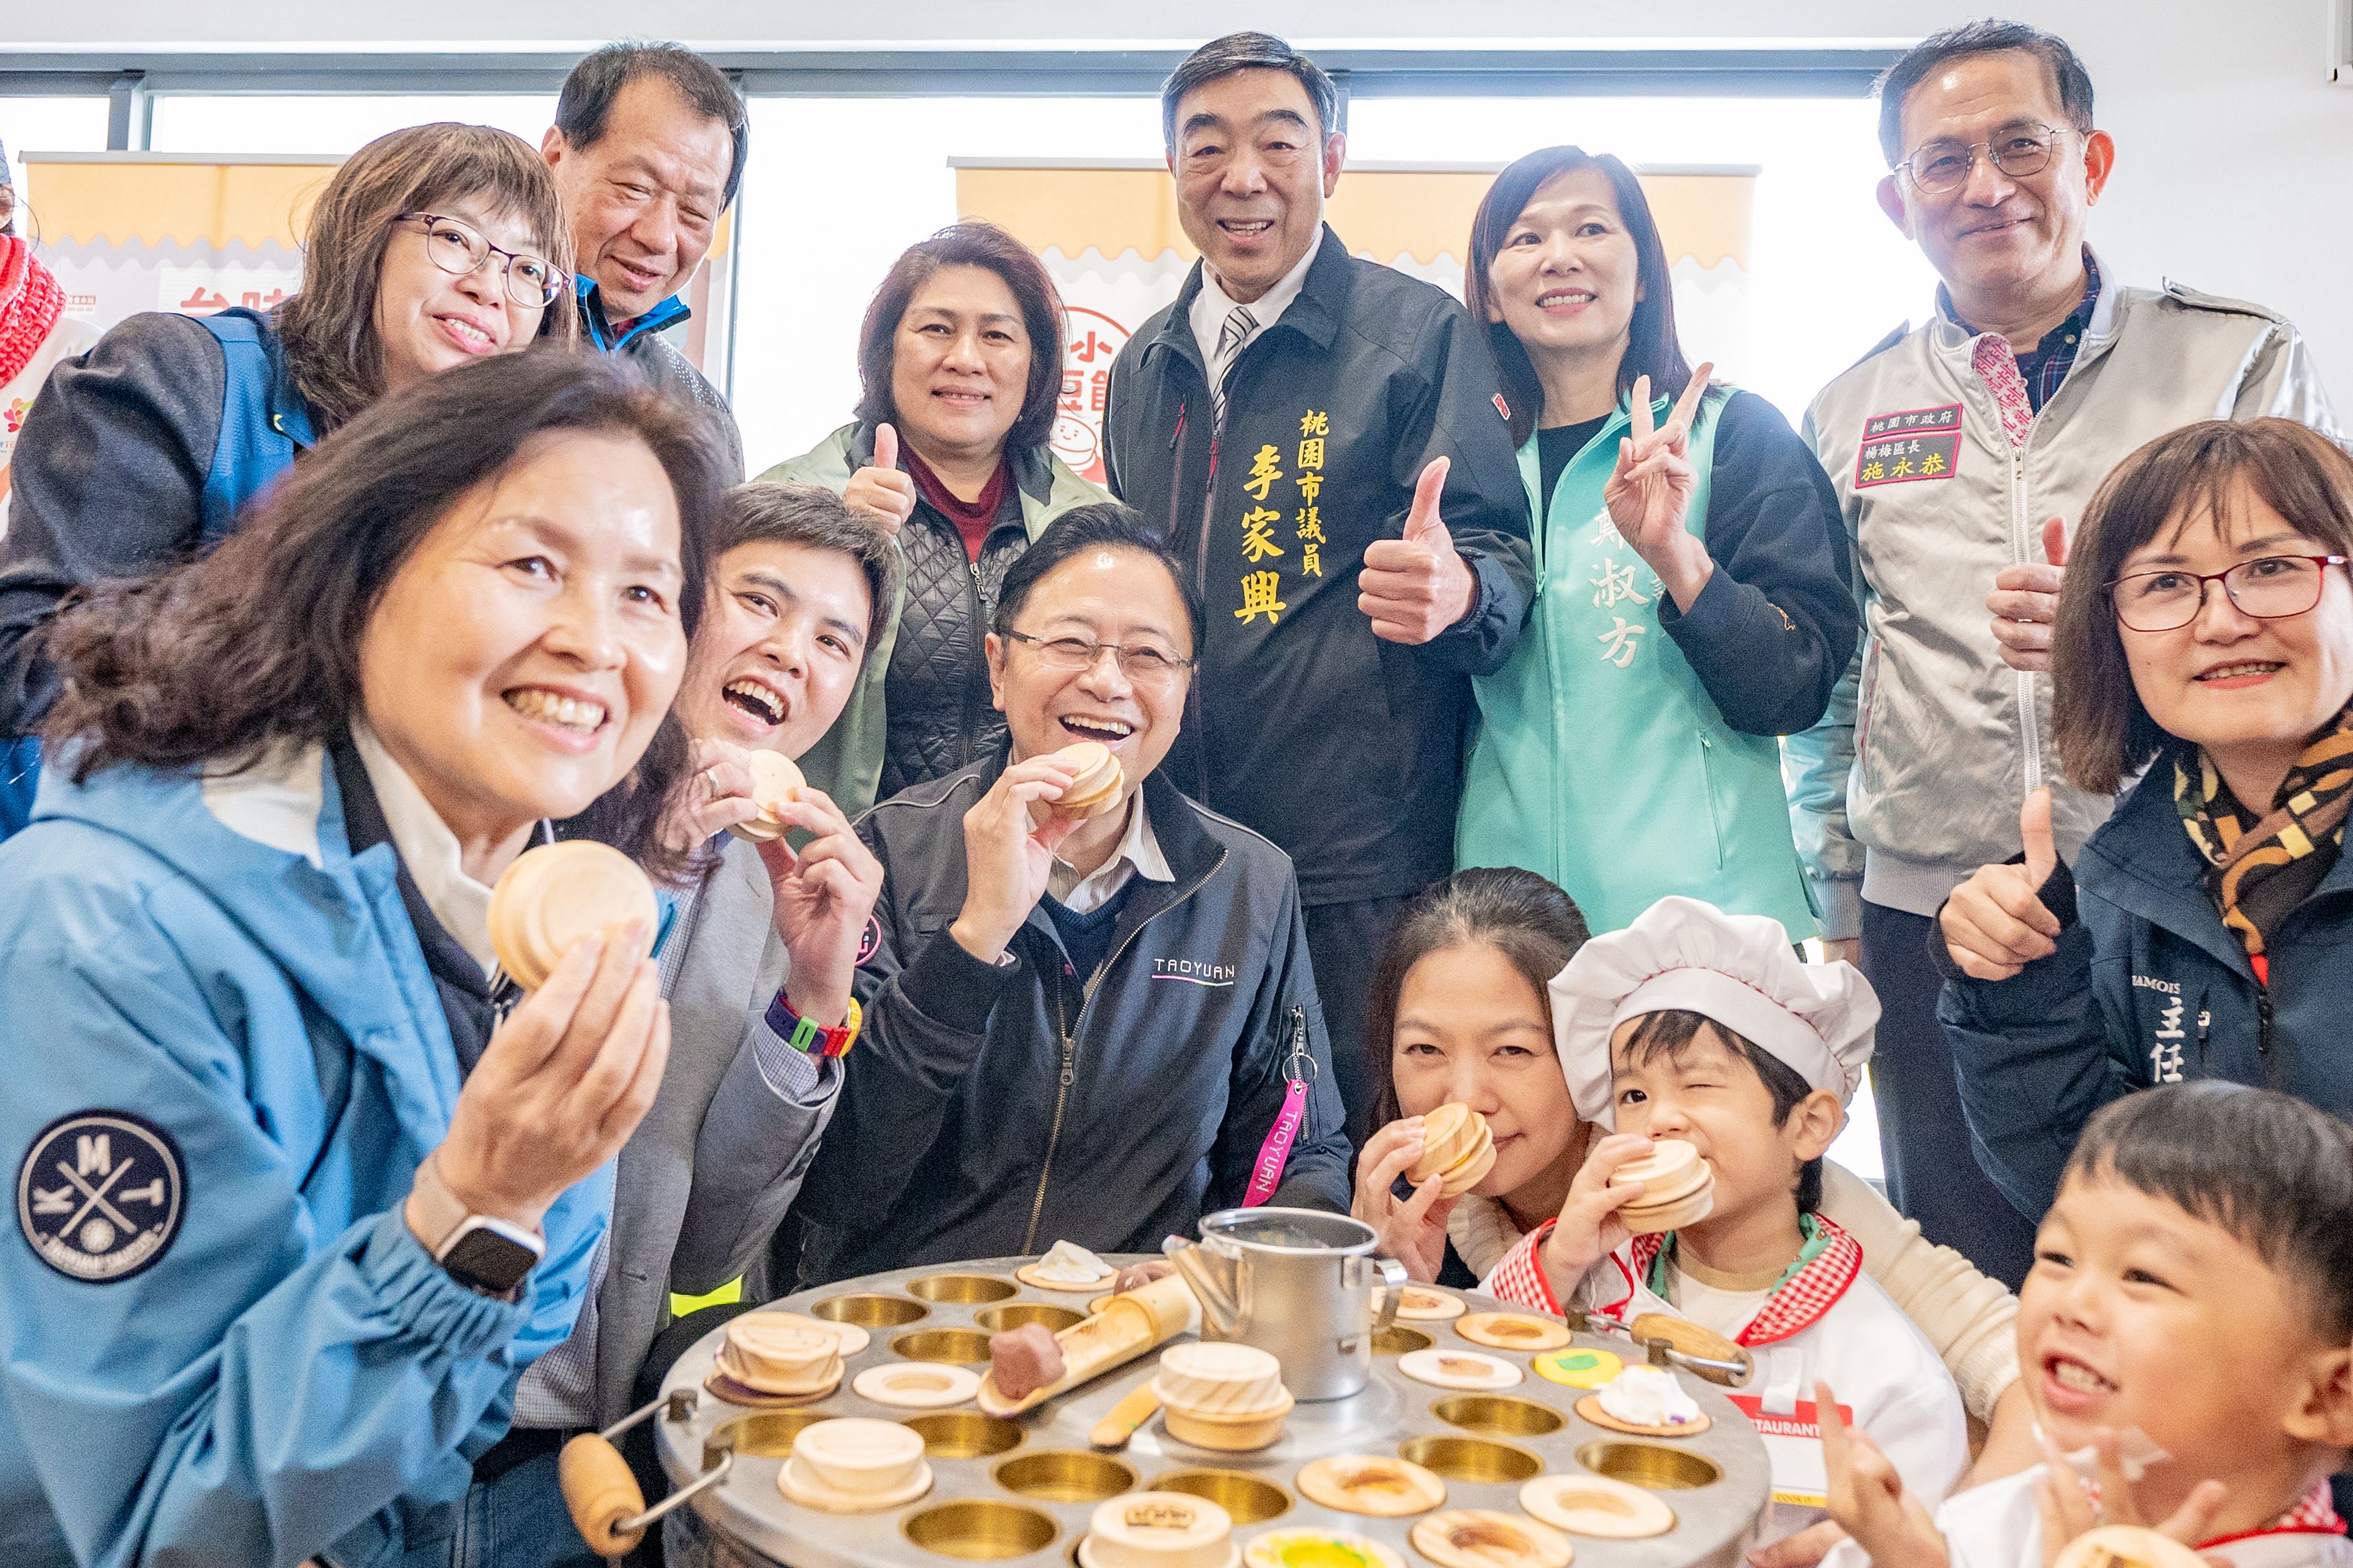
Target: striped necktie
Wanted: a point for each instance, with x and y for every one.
(1238, 326)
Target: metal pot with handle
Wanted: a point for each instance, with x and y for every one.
(1296, 1283)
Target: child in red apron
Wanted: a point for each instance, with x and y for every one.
(2187, 1336)
(1696, 1026)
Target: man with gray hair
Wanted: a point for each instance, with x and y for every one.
(1319, 438)
(647, 149)
(1962, 450)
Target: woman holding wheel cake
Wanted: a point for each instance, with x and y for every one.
(1693, 606)
(299, 1195)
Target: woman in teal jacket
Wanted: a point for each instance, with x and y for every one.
(282, 1144)
(1692, 601)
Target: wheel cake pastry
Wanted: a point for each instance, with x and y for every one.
(776, 779)
(1373, 1484)
(557, 894)
(1512, 1331)
(1457, 1146)
(1484, 1537)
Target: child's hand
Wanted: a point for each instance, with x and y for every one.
(1867, 1497)
(2068, 1510)
(1589, 1228)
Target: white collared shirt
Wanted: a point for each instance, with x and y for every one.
(1137, 854)
(1212, 305)
(428, 849)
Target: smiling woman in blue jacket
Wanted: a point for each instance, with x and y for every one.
(264, 1089)
(2204, 633)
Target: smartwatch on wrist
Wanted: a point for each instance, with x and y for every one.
(814, 1039)
(487, 1255)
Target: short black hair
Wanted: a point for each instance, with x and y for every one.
(582, 108)
(1670, 1033)
(764, 512)
(2273, 1171)
(1986, 36)
(1249, 52)
(1106, 525)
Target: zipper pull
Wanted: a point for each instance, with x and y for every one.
(1178, 434)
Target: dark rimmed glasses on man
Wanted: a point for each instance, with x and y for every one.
(458, 249)
(1142, 663)
(1937, 168)
(2269, 588)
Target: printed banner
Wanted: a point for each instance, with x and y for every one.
(126, 232)
(1109, 234)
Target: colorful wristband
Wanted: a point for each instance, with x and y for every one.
(814, 1039)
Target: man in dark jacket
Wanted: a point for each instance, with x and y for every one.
(1275, 421)
(648, 148)
(1077, 1030)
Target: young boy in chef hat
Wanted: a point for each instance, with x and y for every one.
(1697, 1026)
(2186, 1334)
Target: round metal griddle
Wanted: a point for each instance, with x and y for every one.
(1021, 1491)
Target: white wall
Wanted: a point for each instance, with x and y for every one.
(2236, 152)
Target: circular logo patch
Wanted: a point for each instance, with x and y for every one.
(869, 941)
(100, 1195)
(1579, 1368)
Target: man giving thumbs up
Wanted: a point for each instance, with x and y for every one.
(1321, 439)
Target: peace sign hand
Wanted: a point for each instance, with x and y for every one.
(1652, 488)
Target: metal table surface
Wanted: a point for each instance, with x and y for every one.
(746, 1522)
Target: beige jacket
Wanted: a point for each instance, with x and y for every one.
(1916, 776)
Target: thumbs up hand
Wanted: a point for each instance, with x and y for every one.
(2025, 602)
(1415, 586)
(880, 493)
(1994, 924)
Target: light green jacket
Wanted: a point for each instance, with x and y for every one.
(846, 763)
(1602, 762)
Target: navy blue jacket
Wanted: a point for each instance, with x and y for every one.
(2147, 987)
(988, 1112)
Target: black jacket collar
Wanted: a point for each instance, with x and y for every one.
(1315, 314)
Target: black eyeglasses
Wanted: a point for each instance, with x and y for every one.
(2017, 150)
(1144, 664)
(2269, 588)
(458, 249)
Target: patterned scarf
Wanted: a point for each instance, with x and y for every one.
(2259, 871)
(30, 304)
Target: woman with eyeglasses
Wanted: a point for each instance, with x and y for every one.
(2203, 649)
(960, 359)
(429, 247)
(1694, 607)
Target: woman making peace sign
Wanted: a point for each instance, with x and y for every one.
(1694, 603)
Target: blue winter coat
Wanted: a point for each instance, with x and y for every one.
(2147, 987)
(214, 1005)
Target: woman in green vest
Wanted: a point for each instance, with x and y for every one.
(1692, 602)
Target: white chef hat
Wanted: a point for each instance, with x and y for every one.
(1738, 971)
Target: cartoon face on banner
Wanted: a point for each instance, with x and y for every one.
(1090, 340)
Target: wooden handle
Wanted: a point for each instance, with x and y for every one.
(1114, 1429)
(600, 1491)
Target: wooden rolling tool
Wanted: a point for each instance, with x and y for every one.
(1130, 1324)
(607, 1506)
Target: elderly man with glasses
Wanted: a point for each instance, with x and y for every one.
(1089, 1022)
(1962, 450)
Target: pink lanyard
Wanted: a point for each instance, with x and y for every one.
(1299, 1074)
